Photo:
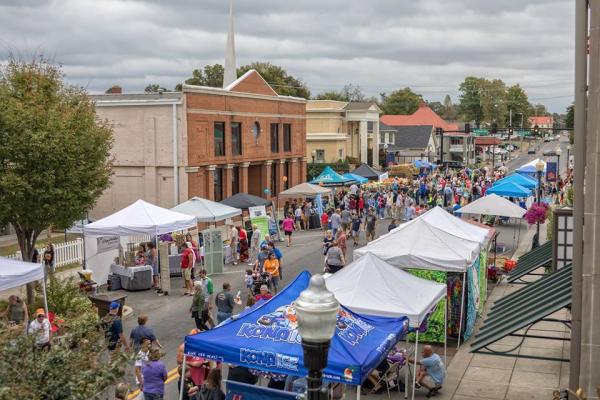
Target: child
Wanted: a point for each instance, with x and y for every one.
(249, 279)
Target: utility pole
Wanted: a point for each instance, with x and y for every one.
(510, 117)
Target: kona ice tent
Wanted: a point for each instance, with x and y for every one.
(15, 273)
(509, 189)
(331, 178)
(529, 168)
(368, 172)
(523, 180)
(305, 190)
(493, 205)
(267, 339)
(206, 210)
(140, 218)
(359, 179)
(384, 290)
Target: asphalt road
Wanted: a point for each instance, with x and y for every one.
(169, 316)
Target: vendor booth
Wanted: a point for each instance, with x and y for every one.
(524, 180)
(529, 168)
(305, 190)
(331, 178)
(443, 248)
(206, 210)
(387, 291)
(359, 179)
(368, 172)
(493, 204)
(509, 189)
(15, 273)
(244, 201)
(266, 339)
(139, 218)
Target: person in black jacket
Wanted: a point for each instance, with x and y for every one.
(241, 374)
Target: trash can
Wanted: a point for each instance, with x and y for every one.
(102, 302)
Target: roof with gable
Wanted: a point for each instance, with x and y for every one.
(408, 137)
(251, 83)
(423, 116)
(541, 120)
(361, 106)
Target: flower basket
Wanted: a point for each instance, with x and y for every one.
(537, 213)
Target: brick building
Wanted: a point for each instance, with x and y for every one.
(243, 138)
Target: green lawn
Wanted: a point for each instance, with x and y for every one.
(41, 242)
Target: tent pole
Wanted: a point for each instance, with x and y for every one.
(358, 392)
(406, 370)
(415, 368)
(45, 296)
(462, 307)
(158, 259)
(183, 364)
(445, 332)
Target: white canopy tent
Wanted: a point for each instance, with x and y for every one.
(454, 226)
(206, 210)
(140, 218)
(305, 189)
(15, 273)
(493, 205)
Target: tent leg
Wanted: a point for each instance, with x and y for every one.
(157, 260)
(462, 307)
(406, 372)
(183, 364)
(445, 333)
(415, 368)
(45, 296)
(358, 392)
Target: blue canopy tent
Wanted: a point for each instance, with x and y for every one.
(359, 179)
(424, 164)
(331, 178)
(509, 189)
(266, 338)
(519, 179)
(529, 168)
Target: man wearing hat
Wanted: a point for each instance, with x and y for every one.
(113, 328)
(40, 327)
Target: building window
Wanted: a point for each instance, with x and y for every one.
(370, 126)
(236, 138)
(340, 153)
(382, 138)
(287, 137)
(274, 179)
(218, 174)
(235, 180)
(219, 137)
(456, 141)
(274, 138)
(391, 138)
(320, 155)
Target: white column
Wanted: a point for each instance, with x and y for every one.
(363, 141)
(376, 145)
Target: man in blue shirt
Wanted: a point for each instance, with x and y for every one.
(432, 373)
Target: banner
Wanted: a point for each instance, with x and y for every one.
(472, 298)
(258, 217)
(435, 322)
(243, 391)
(551, 171)
(107, 243)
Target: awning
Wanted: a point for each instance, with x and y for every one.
(522, 310)
(530, 261)
(15, 273)
(331, 178)
(305, 189)
(493, 205)
(367, 171)
(509, 189)
(523, 180)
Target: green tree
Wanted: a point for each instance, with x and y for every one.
(493, 101)
(449, 113)
(437, 107)
(331, 95)
(518, 102)
(570, 122)
(539, 110)
(400, 102)
(75, 368)
(471, 90)
(54, 157)
(278, 78)
(348, 93)
(154, 88)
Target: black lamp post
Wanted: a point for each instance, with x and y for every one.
(568, 157)
(539, 167)
(558, 153)
(316, 310)
(313, 155)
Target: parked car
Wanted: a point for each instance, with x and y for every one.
(531, 151)
(549, 153)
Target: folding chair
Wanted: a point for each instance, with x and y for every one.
(389, 377)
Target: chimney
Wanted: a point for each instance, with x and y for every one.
(116, 89)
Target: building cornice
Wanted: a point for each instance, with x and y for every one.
(223, 92)
(243, 114)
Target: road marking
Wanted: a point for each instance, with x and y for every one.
(171, 376)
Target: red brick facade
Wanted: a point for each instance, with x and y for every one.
(249, 100)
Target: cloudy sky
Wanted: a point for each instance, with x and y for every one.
(380, 45)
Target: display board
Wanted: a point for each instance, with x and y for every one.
(258, 217)
(213, 251)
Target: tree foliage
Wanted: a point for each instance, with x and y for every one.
(348, 93)
(518, 102)
(400, 102)
(471, 90)
(54, 157)
(449, 110)
(74, 369)
(277, 77)
(570, 121)
(154, 88)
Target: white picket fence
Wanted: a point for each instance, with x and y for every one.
(64, 253)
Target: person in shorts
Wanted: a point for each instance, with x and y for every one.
(432, 373)
(188, 261)
(370, 222)
(288, 229)
(355, 231)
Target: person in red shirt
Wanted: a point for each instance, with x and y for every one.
(264, 293)
(188, 260)
(361, 205)
(324, 221)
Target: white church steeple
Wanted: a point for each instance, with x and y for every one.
(230, 74)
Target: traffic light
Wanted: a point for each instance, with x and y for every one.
(536, 130)
(467, 128)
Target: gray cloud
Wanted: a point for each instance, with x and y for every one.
(381, 45)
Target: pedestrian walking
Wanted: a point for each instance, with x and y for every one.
(255, 240)
(198, 305)
(355, 229)
(188, 260)
(288, 229)
(141, 332)
(225, 302)
(154, 375)
(334, 261)
(113, 328)
(370, 223)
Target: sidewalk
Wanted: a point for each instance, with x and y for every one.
(481, 376)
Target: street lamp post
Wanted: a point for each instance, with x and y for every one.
(539, 167)
(568, 157)
(385, 148)
(558, 153)
(316, 310)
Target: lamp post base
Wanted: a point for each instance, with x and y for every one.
(315, 360)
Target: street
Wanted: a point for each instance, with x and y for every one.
(169, 315)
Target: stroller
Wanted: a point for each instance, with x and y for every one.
(263, 278)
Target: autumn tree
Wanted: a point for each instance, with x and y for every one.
(54, 157)
(400, 102)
